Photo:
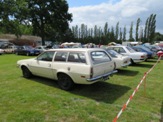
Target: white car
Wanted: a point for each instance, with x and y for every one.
(135, 57)
(1, 51)
(70, 66)
(120, 60)
(41, 48)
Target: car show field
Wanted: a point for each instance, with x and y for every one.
(41, 100)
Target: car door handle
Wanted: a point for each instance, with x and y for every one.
(49, 65)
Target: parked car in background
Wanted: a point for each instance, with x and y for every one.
(70, 66)
(160, 53)
(10, 49)
(140, 48)
(154, 48)
(26, 50)
(135, 57)
(1, 51)
(120, 60)
(41, 48)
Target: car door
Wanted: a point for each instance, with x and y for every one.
(42, 66)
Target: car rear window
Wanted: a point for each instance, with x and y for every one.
(61, 56)
(99, 57)
(77, 57)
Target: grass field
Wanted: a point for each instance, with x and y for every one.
(40, 100)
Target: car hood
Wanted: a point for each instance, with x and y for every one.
(25, 61)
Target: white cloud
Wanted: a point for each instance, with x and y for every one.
(124, 11)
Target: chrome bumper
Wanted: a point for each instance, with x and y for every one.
(102, 77)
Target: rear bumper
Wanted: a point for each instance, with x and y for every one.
(102, 77)
(125, 65)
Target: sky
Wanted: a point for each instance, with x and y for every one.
(98, 12)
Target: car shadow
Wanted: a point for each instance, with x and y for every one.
(100, 91)
(127, 72)
(142, 65)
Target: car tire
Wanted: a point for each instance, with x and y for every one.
(26, 73)
(27, 54)
(132, 62)
(65, 82)
(16, 53)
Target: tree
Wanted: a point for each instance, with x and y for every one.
(51, 15)
(137, 29)
(131, 32)
(8, 23)
(105, 29)
(124, 34)
(117, 31)
(150, 27)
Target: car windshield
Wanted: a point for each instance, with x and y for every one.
(28, 47)
(113, 53)
(131, 50)
(144, 48)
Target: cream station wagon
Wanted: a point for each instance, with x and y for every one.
(70, 66)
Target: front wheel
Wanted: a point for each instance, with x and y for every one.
(65, 82)
(132, 62)
(26, 72)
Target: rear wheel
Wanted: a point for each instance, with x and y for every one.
(132, 62)
(26, 72)
(65, 82)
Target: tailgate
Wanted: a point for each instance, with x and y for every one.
(103, 68)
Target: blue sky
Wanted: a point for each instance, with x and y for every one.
(78, 3)
(98, 12)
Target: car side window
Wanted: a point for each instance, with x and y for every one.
(121, 50)
(61, 56)
(76, 57)
(100, 57)
(46, 56)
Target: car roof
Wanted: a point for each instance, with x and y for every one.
(76, 49)
(118, 46)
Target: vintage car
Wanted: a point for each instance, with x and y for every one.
(70, 66)
(1, 51)
(135, 57)
(140, 48)
(26, 50)
(160, 54)
(120, 60)
(41, 48)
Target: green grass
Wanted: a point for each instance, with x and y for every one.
(40, 100)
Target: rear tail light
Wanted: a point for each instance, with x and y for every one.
(142, 56)
(125, 62)
(91, 72)
(114, 65)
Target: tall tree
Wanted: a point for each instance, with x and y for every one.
(117, 31)
(120, 35)
(137, 29)
(124, 34)
(150, 27)
(131, 32)
(105, 29)
(146, 29)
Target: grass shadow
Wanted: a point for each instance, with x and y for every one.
(161, 113)
(100, 91)
(46, 81)
(142, 65)
(127, 72)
